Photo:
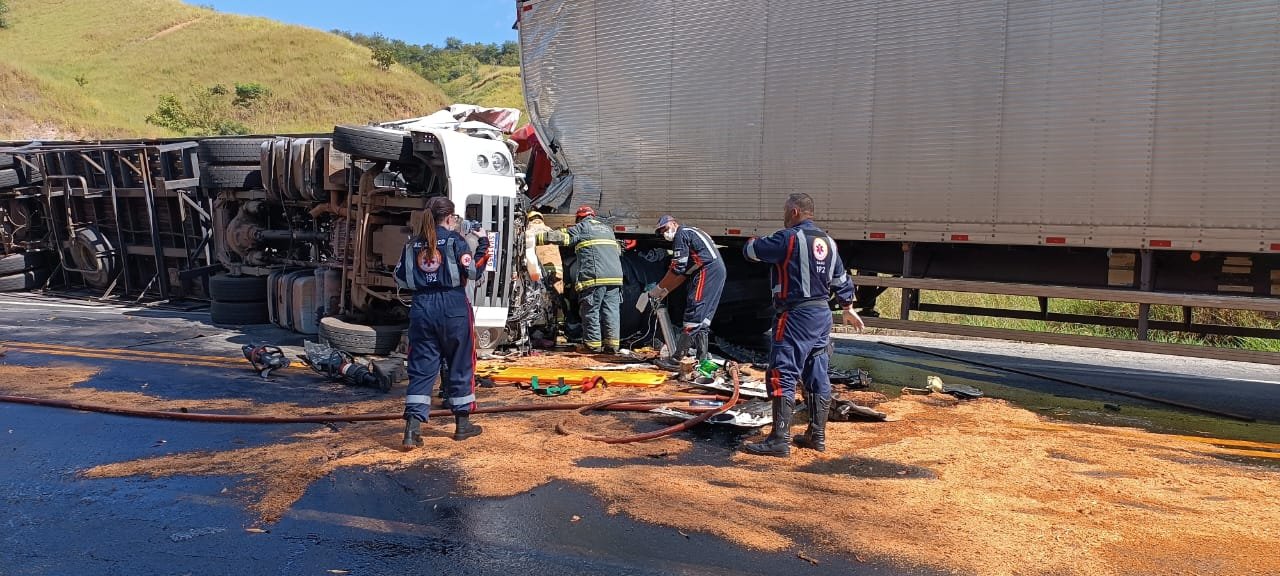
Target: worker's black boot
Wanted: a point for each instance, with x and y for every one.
(815, 438)
(702, 342)
(463, 428)
(412, 434)
(678, 352)
(778, 443)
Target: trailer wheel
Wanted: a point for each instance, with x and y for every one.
(9, 178)
(228, 288)
(28, 280)
(359, 338)
(29, 176)
(13, 263)
(238, 313)
(242, 177)
(231, 150)
(90, 251)
(374, 143)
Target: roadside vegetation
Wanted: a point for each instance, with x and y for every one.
(475, 73)
(889, 302)
(74, 69)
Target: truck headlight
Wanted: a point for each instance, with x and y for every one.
(482, 161)
(501, 164)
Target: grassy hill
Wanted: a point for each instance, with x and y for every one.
(87, 68)
(497, 86)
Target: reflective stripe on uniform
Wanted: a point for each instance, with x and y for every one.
(410, 261)
(590, 243)
(462, 400)
(451, 262)
(706, 242)
(417, 399)
(751, 250)
(804, 263)
(599, 282)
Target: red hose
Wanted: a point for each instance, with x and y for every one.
(687, 424)
(630, 404)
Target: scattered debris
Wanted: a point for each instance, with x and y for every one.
(255, 530)
(186, 535)
(1112, 407)
(747, 388)
(936, 385)
(575, 518)
(682, 533)
(749, 415)
(848, 411)
(807, 558)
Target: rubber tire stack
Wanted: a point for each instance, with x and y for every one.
(25, 270)
(238, 300)
(231, 163)
(14, 173)
(359, 338)
(373, 143)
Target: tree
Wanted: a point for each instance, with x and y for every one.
(211, 111)
(383, 57)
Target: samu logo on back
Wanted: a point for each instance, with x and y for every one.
(429, 261)
(820, 249)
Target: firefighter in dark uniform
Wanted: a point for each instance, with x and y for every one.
(806, 272)
(435, 267)
(597, 278)
(696, 259)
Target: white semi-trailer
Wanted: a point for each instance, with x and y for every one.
(1106, 144)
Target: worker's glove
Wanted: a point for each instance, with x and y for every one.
(657, 293)
(851, 318)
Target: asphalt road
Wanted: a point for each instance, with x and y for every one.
(53, 521)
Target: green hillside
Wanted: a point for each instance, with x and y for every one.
(88, 68)
(490, 86)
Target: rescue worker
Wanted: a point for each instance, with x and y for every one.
(807, 271)
(597, 278)
(549, 262)
(435, 266)
(548, 256)
(696, 259)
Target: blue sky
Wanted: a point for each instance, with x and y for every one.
(414, 21)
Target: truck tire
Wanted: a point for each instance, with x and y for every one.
(28, 280)
(359, 338)
(242, 177)
(373, 143)
(231, 150)
(238, 313)
(14, 263)
(9, 178)
(29, 176)
(91, 251)
(228, 288)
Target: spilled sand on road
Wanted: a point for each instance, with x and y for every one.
(979, 487)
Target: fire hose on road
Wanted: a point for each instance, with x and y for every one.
(623, 404)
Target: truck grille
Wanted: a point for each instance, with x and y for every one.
(497, 215)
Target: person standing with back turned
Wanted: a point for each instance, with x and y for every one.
(435, 267)
(598, 278)
(807, 270)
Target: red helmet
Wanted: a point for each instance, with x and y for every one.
(585, 211)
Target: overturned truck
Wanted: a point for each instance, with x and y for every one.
(302, 232)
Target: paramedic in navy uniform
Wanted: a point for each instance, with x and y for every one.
(435, 267)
